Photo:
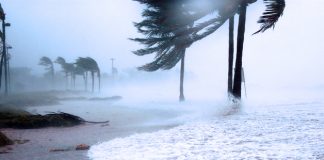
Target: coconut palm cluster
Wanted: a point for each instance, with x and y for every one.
(81, 67)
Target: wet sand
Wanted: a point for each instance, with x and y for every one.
(124, 121)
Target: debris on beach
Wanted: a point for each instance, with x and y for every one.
(82, 147)
(4, 140)
(25, 120)
(30, 121)
(21, 141)
(60, 150)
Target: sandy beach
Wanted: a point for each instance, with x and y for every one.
(123, 121)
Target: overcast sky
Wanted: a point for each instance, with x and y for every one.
(291, 54)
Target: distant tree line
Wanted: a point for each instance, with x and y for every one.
(81, 67)
(171, 26)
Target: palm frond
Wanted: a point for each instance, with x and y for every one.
(274, 10)
(166, 60)
(45, 61)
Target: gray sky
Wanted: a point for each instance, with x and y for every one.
(290, 55)
(73, 28)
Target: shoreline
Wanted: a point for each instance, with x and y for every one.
(42, 141)
(123, 122)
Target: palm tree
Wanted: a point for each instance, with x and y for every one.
(274, 10)
(160, 30)
(230, 57)
(93, 68)
(62, 62)
(82, 64)
(49, 66)
(78, 70)
(168, 27)
(239, 52)
(89, 65)
(68, 69)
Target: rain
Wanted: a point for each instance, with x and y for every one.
(136, 79)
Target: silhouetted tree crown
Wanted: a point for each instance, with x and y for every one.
(45, 61)
(169, 26)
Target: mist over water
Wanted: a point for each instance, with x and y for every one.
(283, 72)
(277, 123)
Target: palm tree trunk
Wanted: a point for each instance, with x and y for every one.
(71, 81)
(230, 56)
(1, 64)
(9, 77)
(239, 55)
(52, 74)
(92, 77)
(66, 81)
(99, 81)
(4, 54)
(85, 81)
(74, 76)
(181, 97)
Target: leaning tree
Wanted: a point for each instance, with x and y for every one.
(271, 15)
(162, 20)
(204, 21)
(68, 69)
(89, 65)
(79, 70)
(49, 66)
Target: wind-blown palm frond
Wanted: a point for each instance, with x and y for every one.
(60, 60)
(88, 65)
(47, 62)
(274, 10)
(78, 70)
(166, 61)
(2, 14)
(65, 66)
(171, 26)
(49, 66)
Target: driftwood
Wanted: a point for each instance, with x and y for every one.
(29, 121)
(80, 147)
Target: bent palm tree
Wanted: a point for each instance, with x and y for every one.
(82, 64)
(78, 70)
(168, 27)
(160, 28)
(89, 65)
(239, 52)
(274, 10)
(94, 68)
(67, 69)
(49, 66)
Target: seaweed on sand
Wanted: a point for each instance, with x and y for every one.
(29, 121)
